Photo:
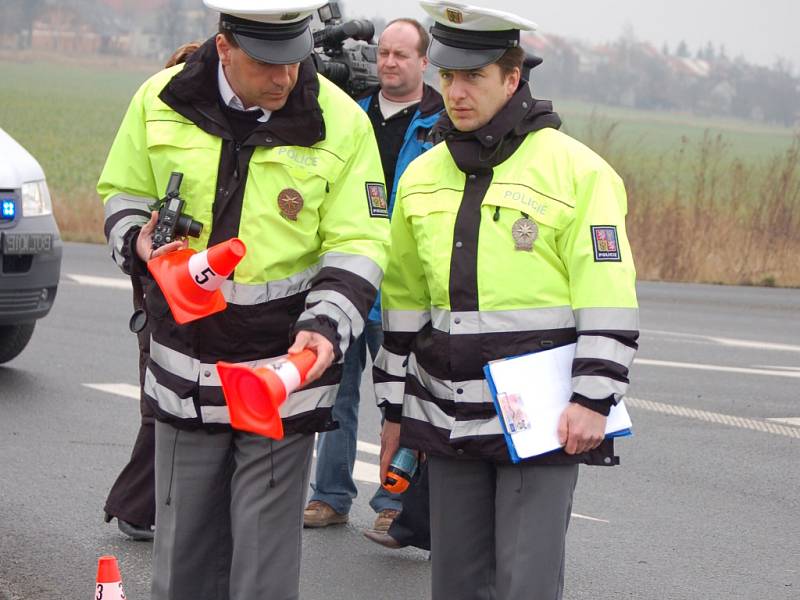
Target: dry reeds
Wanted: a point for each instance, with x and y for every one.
(79, 216)
(698, 214)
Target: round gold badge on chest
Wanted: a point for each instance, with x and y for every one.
(290, 202)
(524, 231)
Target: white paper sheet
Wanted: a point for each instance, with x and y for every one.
(533, 390)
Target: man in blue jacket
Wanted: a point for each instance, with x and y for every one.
(402, 111)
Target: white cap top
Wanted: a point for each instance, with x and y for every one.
(267, 11)
(474, 18)
(269, 31)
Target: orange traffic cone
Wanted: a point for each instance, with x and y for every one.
(109, 581)
(190, 280)
(254, 396)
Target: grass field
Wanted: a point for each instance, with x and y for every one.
(651, 132)
(735, 183)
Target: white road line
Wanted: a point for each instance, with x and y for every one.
(368, 448)
(764, 426)
(366, 472)
(117, 283)
(726, 341)
(120, 389)
(721, 368)
(578, 516)
(788, 420)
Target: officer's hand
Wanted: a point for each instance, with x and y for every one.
(580, 429)
(390, 443)
(319, 344)
(144, 243)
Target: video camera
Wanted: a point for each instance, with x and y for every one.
(353, 68)
(172, 223)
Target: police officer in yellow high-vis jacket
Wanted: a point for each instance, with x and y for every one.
(508, 238)
(278, 156)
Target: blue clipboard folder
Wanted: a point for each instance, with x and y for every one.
(530, 392)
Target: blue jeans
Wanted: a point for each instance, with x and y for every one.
(336, 450)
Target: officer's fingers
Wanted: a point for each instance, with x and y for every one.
(324, 350)
(148, 227)
(590, 442)
(167, 248)
(563, 428)
(390, 443)
(301, 340)
(317, 369)
(574, 441)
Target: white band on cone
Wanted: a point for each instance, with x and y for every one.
(110, 591)
(288, 374)
(202, 273)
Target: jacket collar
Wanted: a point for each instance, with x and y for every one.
(480, 150)
(194, 93)
(431, 102)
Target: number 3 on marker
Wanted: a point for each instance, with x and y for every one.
(99, 595)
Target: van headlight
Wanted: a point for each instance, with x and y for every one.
(36, 199)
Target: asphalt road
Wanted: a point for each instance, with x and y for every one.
(705, 504)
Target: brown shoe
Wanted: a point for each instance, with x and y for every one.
(320, 514)
(384, 520)
(384, 539)
(380, 530)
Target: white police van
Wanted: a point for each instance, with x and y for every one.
(30, 247)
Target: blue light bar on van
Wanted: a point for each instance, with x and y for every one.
(7, 210)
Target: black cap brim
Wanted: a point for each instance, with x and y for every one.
(461, 59)
(277, 52)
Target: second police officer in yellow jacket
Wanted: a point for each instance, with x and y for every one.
(507, 238)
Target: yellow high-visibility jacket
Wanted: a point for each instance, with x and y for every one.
(462, 288)
(313, 265)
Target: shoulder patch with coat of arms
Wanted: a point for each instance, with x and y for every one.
(605, 243)
(376, 199)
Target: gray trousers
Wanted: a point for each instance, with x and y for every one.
(498, 531)
(223, 532)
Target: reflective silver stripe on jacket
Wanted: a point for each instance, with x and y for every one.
(428, 412)
(471, 391)
(604, 348)
(215, 414)
(596, 387)
(607, 319)
(206, 376)
(168, 401)
(360, 265)
(297, 403)
(174, 362)
(249, 294)
(405, 320)
(340, 309)
(391, 363)
(502, 321)
(303, 401)
(390, 391)
(116, 236)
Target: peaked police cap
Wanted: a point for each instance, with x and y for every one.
(467, 37)
(268, 31)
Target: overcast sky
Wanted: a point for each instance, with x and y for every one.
(761, 31)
